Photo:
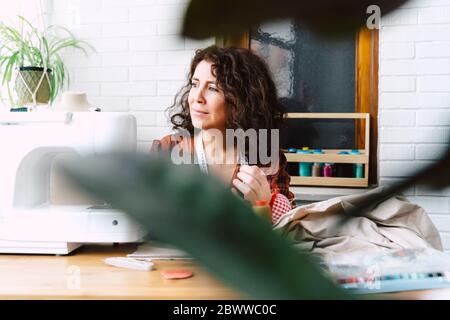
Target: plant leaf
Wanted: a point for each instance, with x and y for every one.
(196, 213)
(9, 67)
(207, 18)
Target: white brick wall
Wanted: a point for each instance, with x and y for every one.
(141, 61)
(414, 109)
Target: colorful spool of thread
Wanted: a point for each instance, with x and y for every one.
(317, 166)
(316, 169)
(305, 168)
(21, 109)
(328, 170)
(358, 168)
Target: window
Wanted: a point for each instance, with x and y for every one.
(321, 75)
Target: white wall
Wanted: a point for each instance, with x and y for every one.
(414, 104)
(141, 61)
(30, 9)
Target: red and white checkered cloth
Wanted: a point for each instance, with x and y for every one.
(279, 205)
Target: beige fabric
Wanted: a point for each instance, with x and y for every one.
(394, 224)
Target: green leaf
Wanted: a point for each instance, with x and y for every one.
(10, 34)
(11, 100)
(3, 59)
(66, 43)
(208, 18)
(9, 67)
(46, 51)
(181, 206)
(59, 78)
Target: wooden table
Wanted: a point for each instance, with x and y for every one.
(83, 275)
(56, 277)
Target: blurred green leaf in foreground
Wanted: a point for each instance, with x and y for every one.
(207, 18)
(196, 213)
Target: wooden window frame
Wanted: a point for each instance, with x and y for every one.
(366, 87)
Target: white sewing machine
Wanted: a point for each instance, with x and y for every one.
(40, 212)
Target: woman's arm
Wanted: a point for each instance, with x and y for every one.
(162, 147)
(255, 185)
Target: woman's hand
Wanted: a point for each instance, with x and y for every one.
(253, 184)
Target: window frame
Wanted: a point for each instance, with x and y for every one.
(366, 86)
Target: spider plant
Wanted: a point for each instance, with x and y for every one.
(26, 46)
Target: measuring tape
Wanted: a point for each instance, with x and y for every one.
(201, 158)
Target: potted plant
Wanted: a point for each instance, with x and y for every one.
(27, 53)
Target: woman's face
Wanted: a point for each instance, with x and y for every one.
(206, 100)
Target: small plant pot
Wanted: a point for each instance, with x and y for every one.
(30, 77)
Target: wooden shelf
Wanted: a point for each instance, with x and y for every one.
(327, 157)
(332, 156)
(327, 115)
(329, 181)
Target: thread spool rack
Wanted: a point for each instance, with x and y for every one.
(332, 156)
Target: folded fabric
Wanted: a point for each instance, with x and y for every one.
(394, 224)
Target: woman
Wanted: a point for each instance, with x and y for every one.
(231, 88)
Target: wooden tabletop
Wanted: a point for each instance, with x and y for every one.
(84, 275)
(56, 277)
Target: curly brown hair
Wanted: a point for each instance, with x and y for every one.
(250, 94)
